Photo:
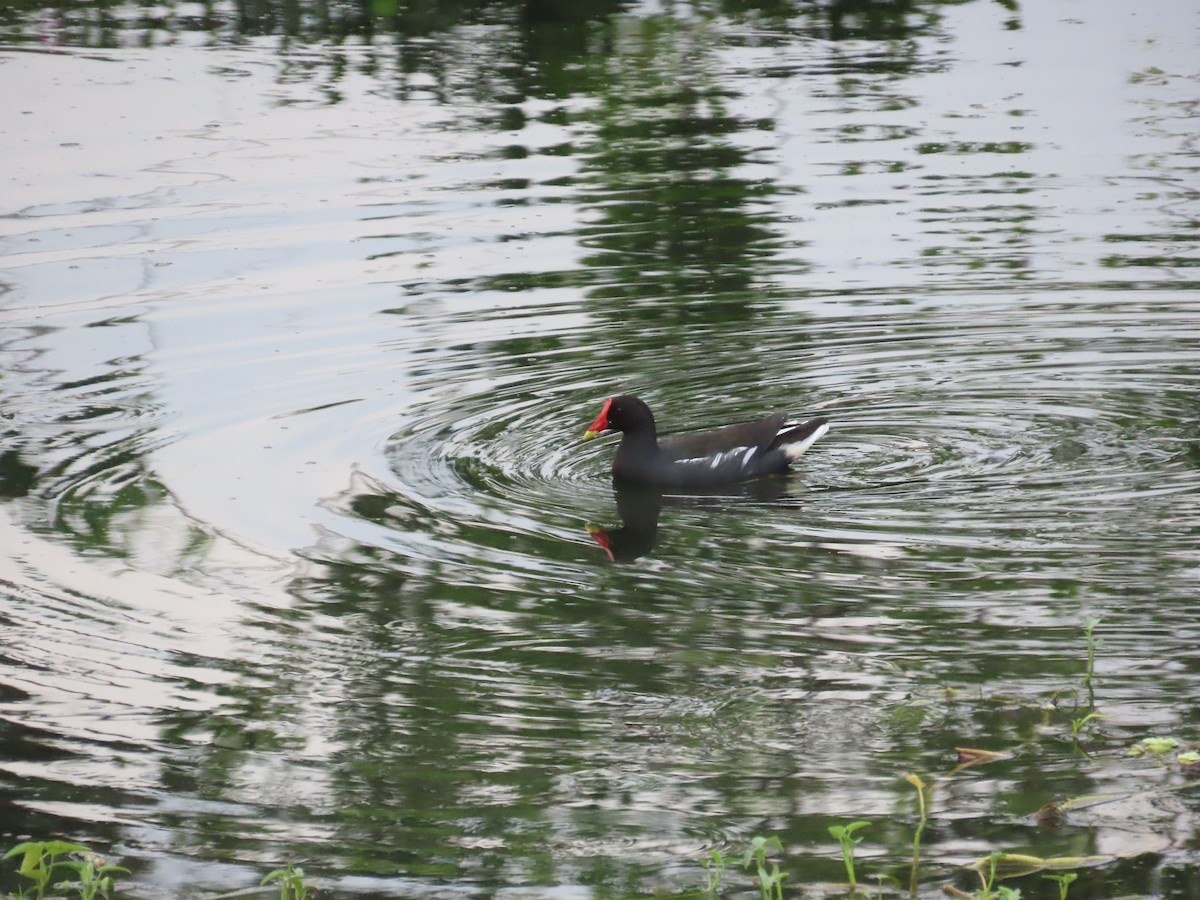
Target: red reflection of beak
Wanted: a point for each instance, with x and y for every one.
(601, 538)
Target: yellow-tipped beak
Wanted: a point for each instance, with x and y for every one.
(600, 426)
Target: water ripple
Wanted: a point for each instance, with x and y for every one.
(1043, 425)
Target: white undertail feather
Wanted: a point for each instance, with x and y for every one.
(796, 450)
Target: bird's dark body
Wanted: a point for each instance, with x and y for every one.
(708, 459)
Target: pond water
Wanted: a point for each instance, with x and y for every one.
(303, 314)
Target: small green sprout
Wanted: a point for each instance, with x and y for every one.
(714, 869)
(291, 882)
(844, 834)
(1077, 725)
(1064, 881)
(770, 882)
(1089, 627)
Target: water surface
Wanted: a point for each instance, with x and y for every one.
(302, 320)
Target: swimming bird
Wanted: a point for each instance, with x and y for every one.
(766, 446)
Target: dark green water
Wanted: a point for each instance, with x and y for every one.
(303, 312)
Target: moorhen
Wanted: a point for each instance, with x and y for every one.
(724, 456)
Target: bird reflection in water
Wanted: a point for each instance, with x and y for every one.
(639, 508)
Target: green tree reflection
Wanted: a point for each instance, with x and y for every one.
(677, 187)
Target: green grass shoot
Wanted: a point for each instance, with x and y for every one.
(291, 882)
(844, 835)
(770, 881)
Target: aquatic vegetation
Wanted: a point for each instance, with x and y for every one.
(291, 882)
(991, 869)
(1000, 865)
(1080, 723)
(1064, 882)
(970, 756)
(844, 834)
(41, 860)
(989, 889)
(1161, 748)
(770, 881)
(714, 869)
(922, 803)
(1089, 628)
(63, 868)
(1154, 746)
(93, 876)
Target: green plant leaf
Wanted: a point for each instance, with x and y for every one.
(1013, 865)
(32, 861)
(62, 848)
(23, 847)
(1159, 746)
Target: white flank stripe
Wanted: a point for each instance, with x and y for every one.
(718, 459)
